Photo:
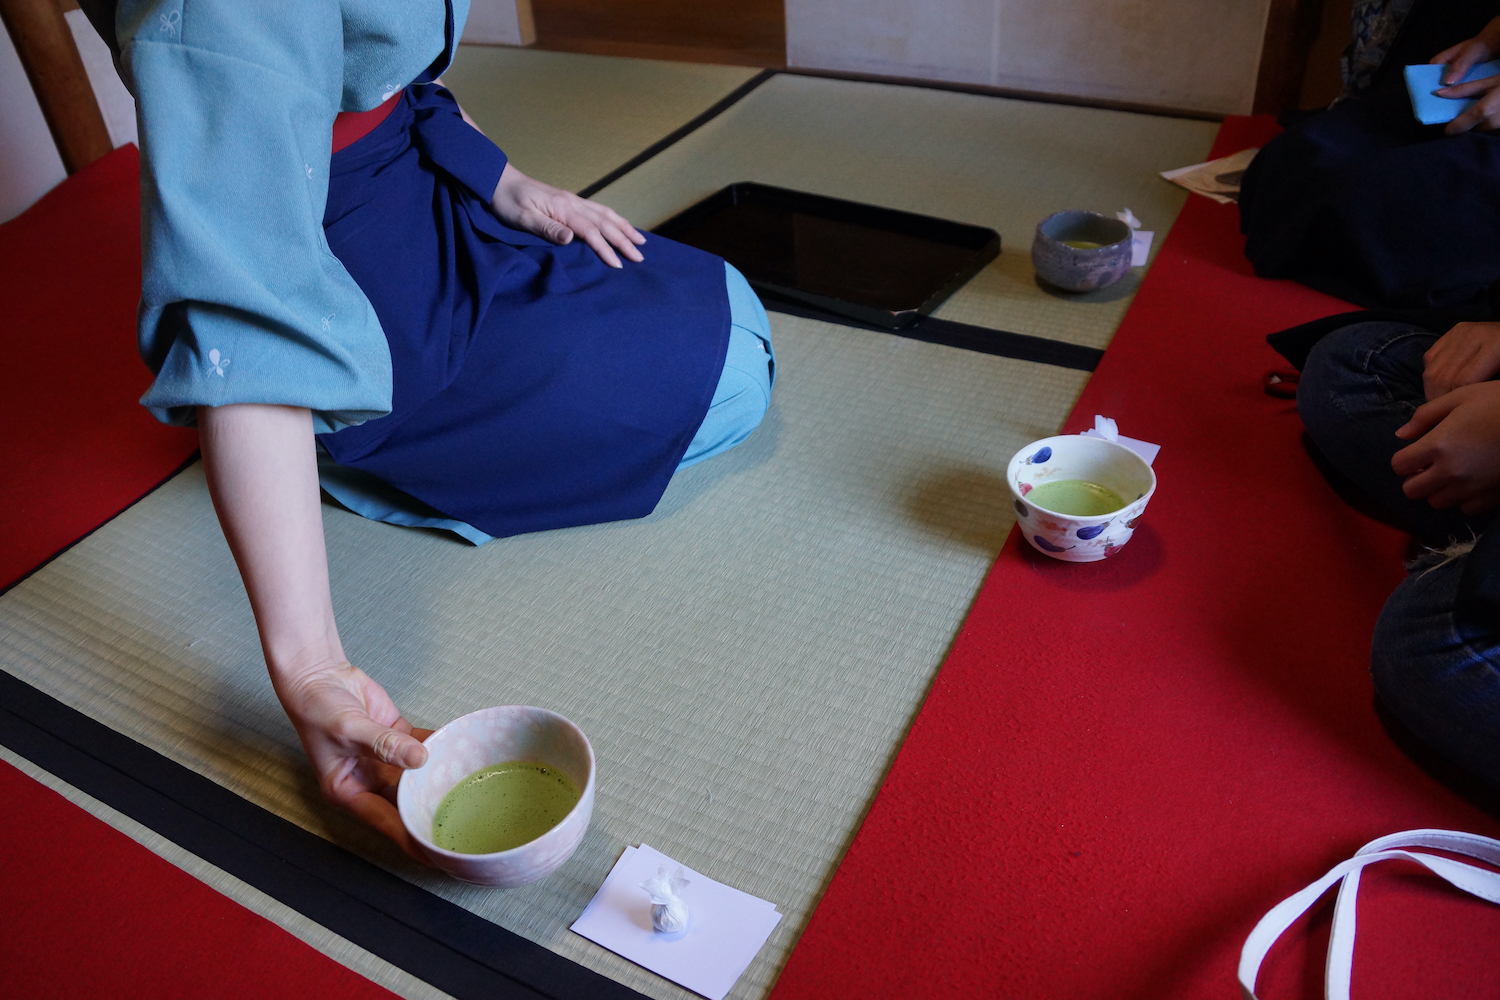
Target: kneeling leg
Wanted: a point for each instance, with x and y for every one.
(744, 390)
(1439, 674)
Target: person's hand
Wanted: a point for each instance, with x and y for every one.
(358, 743)
(1459, 59)
(558, 215)
(1466, 354)
(1455, 461)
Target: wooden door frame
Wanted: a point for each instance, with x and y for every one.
(1291, 29)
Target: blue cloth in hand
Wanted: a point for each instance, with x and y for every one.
(1431, 109)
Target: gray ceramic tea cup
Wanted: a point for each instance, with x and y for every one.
(494, 736)
(1081, 270)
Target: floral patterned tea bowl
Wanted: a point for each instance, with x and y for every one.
(493, 736)
(1070, 537)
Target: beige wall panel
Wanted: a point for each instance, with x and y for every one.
(1192, 54)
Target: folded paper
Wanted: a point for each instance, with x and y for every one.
(1105, 427)
(725, 931)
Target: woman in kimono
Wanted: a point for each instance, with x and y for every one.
(460, 345)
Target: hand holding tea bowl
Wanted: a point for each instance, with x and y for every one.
(550, 757)
(1081, 251)
(1078, 498)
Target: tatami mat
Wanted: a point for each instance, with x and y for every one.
(745, 660)
(991, 161)
(570, 119)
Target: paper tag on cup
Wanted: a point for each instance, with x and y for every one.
(1140, 247)
(1140, 239)
(1104, 427)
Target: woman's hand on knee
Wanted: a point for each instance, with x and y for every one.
(1455, 458)
(558, 215)
(1467, 354)
(357, 741)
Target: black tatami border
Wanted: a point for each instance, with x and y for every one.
(650, 152)
(437, 941)
(983, 339)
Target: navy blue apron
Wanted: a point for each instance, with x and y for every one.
(534, 386)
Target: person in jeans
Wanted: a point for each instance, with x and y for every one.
(1412, 418)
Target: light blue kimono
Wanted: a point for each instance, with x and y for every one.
(241, 301)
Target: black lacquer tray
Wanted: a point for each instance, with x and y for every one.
(877, 265)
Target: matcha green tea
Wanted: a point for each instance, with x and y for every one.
(503, 806)
(1077, 497)
(1082, 244)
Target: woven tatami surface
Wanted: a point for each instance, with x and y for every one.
(990, 161)
(570, 119)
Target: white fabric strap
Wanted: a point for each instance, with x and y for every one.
(1472, 879)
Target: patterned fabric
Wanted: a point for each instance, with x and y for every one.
(1375, 23)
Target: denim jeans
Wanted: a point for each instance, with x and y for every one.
(1437, 675)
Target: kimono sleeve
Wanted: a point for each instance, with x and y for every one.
(241, 300)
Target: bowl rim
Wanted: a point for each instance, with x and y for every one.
(1128, 238)
(1010, 479)
(585, 794)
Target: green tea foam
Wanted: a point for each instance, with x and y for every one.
(503, 806)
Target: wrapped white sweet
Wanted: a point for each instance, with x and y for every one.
(669, 914)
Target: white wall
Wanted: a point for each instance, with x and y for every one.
(1191, 54)
(29, 164)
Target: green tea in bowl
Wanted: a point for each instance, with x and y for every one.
(1076, 497)
(503, 806)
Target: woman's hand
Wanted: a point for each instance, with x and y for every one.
(1460, 58)
(1455, 461)
(558, 215)
(357, 741)
(1466, 354)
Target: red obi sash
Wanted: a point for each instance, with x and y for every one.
(351, 126)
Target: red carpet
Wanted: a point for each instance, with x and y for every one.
(87, 912)
(77, 448)
(1122, 766)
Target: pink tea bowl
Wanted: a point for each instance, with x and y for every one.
(493, 736)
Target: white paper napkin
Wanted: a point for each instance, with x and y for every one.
(726, 927)
(1105, 427)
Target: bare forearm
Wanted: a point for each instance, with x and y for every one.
(263, 476)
